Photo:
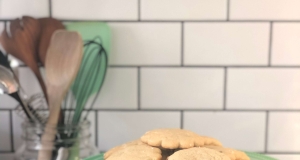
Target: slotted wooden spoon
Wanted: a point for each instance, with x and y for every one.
(48, 27)
(22, 43)
(63, 60)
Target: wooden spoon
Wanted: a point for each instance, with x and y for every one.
(48, 26)
(22, 43)
(63, 60)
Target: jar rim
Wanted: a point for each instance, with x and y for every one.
(81, 125)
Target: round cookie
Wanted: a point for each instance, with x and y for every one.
(198, 153)
(231, 153)
(176, 138)
(136, 152)
(120, 147)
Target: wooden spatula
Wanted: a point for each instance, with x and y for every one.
(63, 60)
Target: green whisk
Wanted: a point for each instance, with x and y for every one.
(90, 77)
(92, 72)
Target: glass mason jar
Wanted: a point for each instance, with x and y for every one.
(72, 142)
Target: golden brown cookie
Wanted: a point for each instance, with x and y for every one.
(176, 138)
(131, 143)
(231, 153)
(198, 153)
(136, 152)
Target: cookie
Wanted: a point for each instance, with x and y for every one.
(176, 138)
(135, 152)
(231, 153)
(198, 153)
(131, 143)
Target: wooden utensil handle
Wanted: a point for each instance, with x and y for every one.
(51, 127)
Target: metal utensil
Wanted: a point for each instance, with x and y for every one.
(8, 85)
(20, 95)
(22, 43)
(62, 64)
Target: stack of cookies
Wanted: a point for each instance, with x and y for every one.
(173, 144)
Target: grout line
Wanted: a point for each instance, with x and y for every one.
(139, 88)
(139, 10)
(225, 88)
(180, 109)
(175, 21)
(11, 131)
(182, 43)
(176, 110)
(181, 119)
(96, 128)
(270, 43)
(198, 66)
(228, 10)
(294, 153)
(50, 8)
(267, 131)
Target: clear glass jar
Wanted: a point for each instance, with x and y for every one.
(72, 142)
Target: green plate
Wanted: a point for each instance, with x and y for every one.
(97, 157)
(253, 156)
(256, 156)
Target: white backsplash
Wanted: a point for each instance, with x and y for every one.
(223, 68)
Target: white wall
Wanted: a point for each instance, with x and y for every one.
(223, 68)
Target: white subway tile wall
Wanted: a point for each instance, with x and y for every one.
(183, 10)
(283, 129)
(264, 10)
(229, 126)
(17, 8)
(263, 88)
(95, 9)
(226, 43)
(229, 69)
(182, 88)
(117, 127)
(5, 136)
(120, 90)
(285, 46)
(146, 44)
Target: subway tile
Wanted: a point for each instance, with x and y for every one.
(285, 47)
(91, 117)
(16, 8)
(240, 130)
(284, 130)
(263, 88)
(96, 9)
(7, 102)
(119, 90)
(145, 43)
(28, 82)
(285, 156)
(264, 10)
(5, 133)
(17, 130)
(7, 156)
(226, 43)
(182, 88)
(116, 128)
(183, 10)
